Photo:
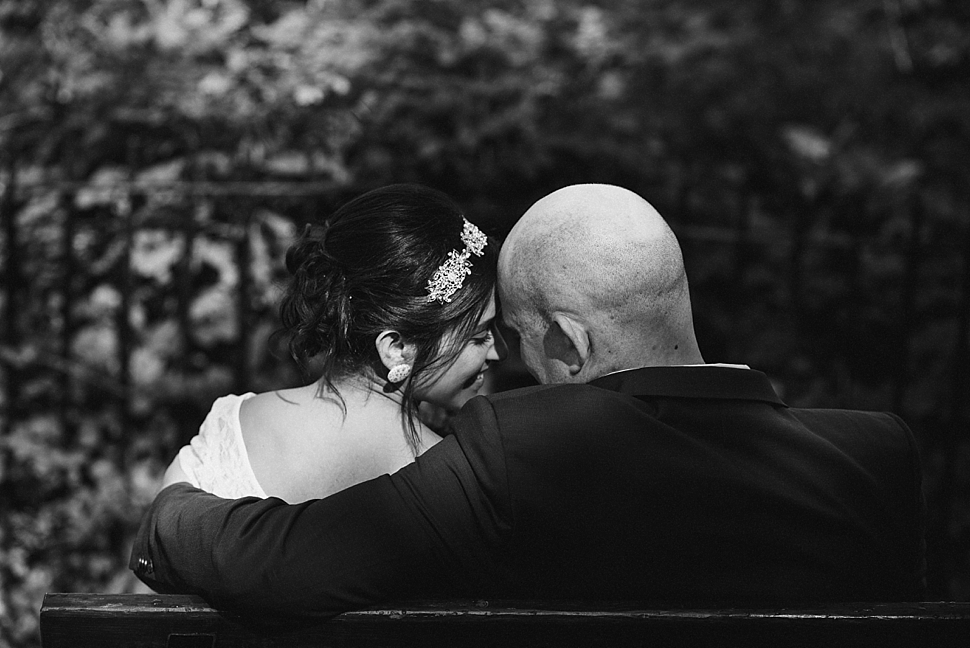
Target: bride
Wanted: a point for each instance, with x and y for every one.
(392, 303)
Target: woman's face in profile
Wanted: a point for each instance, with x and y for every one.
(453, 384)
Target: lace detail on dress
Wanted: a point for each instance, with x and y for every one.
(215, 460)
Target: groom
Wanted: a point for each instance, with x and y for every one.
(635, 472)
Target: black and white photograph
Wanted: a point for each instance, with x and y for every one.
(491, 323)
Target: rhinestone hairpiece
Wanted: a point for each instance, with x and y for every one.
(450, 275)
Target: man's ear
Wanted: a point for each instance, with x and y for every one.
(567, 340)
(392, 349)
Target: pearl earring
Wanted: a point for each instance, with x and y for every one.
(398, 373)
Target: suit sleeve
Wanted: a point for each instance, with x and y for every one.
(425, 531)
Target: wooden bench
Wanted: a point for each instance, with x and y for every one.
(146, 620)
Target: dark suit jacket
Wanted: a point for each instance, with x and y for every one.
(672, 485)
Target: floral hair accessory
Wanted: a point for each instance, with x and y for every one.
(450, 275)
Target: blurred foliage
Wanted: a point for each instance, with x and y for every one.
(156, 157)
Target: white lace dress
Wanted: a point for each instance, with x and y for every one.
(215, 460)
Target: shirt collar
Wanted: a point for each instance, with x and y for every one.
(734, 382)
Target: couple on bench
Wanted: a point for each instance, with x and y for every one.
(634, 472)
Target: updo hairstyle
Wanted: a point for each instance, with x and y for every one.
(366, 270)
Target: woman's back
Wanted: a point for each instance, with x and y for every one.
(302, 445)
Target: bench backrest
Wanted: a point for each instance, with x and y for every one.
(176, 621)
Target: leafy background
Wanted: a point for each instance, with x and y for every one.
(157, 156)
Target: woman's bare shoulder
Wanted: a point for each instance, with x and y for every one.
(266, 407)
(272, 417)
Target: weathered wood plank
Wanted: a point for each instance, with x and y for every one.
(81, 620)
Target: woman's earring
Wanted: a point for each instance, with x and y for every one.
(398, 373)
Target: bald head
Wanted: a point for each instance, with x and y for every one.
(601, 259)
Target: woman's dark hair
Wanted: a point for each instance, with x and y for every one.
(366, 270)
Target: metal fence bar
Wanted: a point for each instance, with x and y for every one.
(67, 421)
(124, 211)
(10, 339)
(183, 287)
(956, 429)
(254, 188)
(12, 284)
(244, 303)
(907, 307)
